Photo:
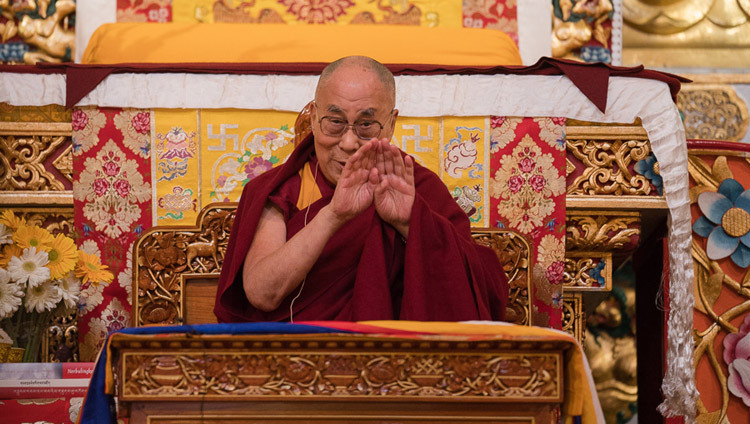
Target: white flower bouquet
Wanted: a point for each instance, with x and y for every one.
(39, 273)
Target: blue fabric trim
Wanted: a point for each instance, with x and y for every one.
(100, 407)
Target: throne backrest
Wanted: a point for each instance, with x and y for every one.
(176, 269)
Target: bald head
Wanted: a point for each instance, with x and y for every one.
(364, 63)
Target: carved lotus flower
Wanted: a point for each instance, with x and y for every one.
(299, 371)
(726, 222)
(159, 312)
(382, 372)
(468, 368)
(737, 358)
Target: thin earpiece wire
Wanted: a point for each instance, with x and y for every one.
(302, 286)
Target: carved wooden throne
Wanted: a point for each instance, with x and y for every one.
(177, 269)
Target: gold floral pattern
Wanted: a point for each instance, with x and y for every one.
(87, 122)
(135, 125)
(110, 187)
(125, 278)
(503, 132)
(552, 132)
(550, 250)
(113, 318)
(319, 11)
(526, 183)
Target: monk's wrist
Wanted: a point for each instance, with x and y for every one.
(403, 229)
(332, 220)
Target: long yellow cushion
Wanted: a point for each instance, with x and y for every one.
(277, 43)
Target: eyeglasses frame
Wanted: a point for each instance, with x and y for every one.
(352, 125)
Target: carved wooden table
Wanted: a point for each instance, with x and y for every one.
(336, 378)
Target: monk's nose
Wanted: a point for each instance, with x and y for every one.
(349, 141)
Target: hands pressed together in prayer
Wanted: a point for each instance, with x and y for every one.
(377, 174)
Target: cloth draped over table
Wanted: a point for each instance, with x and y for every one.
(365, 270)
(580, 404)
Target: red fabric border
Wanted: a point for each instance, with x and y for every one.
(30, 69)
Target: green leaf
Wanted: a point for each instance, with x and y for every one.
(212, 194)
(285, 127)
(274, 160)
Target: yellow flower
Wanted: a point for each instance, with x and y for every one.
(9, 251)
(90, 269)
(11, 220)
(62, 256)
(28, 236)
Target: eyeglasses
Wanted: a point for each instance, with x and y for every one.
(365, 129)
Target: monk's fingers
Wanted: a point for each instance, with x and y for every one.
(409, 170)
(382, 187)
(372, 154)
(380, 158)
(397, 162)
(389, 160)
(362, 157)
(373, 177)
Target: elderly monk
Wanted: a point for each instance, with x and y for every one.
(350, 228)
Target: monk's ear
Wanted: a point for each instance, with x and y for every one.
(393, 121)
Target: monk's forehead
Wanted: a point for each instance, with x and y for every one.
(350, 73)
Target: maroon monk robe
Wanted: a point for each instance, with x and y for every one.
(366, 271)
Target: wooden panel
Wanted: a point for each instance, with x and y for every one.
(329, 412)
(199, 300)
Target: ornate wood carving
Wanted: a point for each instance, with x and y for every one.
(574, 318)
(713, 112)
(32, 153)
(54, 220)
(164, 256)
(60, 341)
(514, 252)
(722, 289)
(602, 231)
(591, 240)
(589, 271)
(601, 161)
(265, 367)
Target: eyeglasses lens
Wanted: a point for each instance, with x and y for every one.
(336, 127)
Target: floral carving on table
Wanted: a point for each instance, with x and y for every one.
(511, 375)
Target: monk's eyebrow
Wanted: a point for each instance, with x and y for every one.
(369, 112)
